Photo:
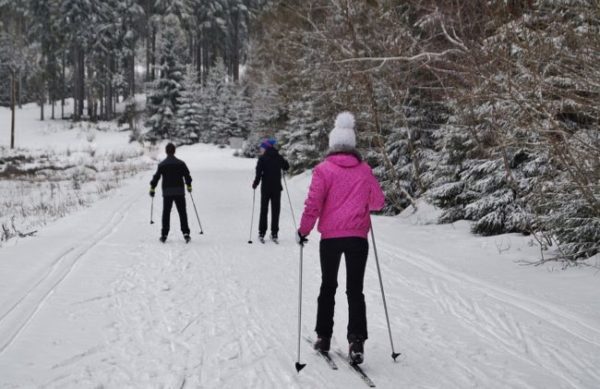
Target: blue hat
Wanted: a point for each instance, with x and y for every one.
(272, 141)
(266, 143)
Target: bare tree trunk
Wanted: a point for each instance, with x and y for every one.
(235, 50)
(63, 87)
(147, 58)
(101, 105)
(191, 47)
(75, 83)
(148, 32)
(90, 101)
(198, 51)
(153, 54)
(20, 92)
(12, 108)
(132, 75)
(108, 89)
(205, 59)
(81, 83)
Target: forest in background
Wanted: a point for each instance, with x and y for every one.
(488, 109)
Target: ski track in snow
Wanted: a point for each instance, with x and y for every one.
(14, 320)
(220, 313)
(491, 312)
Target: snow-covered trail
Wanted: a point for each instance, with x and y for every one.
(97, 301)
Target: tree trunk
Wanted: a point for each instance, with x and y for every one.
(131, 82)
(147, 59)
(63, 87)
(42, 109)
(192, 47)
(130, 75)
(90, 101)
(235, 54)
(12, 108)
(108, 91)
(148, 9)
(198, 52)
(205, 59)
(75, 83)
(20, 92)
(81, 83)
(153, 55)
(102, 113)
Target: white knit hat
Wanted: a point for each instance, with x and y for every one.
(342, 136)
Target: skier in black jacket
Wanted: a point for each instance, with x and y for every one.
(174, 173)
(268, 170)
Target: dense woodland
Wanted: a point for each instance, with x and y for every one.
(488, 109)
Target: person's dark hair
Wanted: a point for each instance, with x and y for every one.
(170, 149)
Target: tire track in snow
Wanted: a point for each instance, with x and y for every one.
(14, 321)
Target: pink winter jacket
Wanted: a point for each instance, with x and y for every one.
(342, 193)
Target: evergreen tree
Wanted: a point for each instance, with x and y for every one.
(240, 112)
(305, 138)
(189, 115)
(215, 97)
(163, 101)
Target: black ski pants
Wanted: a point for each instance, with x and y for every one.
(274, 197)
(355, 251)
(166, 216)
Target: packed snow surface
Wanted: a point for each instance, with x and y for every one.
(96, 301)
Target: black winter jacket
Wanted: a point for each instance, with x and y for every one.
(174, 172)
(268, 169)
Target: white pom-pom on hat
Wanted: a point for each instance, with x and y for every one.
(342, 136)
(345, 120)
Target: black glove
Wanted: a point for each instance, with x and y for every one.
(254, 185)
(300, 239)
(151, 192)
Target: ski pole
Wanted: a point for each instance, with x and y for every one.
(387, 318)
(197, 217)
(152, 211)
(290, 201)
(252, 219)
(300, 366)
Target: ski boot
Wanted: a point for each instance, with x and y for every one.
(261, 238)
(356, 352)
(187, 238)
(274, 238)
(163, 239)
(322, 344)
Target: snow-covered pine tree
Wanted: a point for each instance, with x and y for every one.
(216, 100)
(163, 100)
(522, 153)
(267, 110)
(189, 115)
(304, 139)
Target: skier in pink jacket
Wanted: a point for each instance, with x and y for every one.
(342, 193)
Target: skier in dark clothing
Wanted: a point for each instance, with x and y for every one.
(174, 173)
(268, 170)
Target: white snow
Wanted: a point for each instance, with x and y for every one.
(96, 301)
(58, 166)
